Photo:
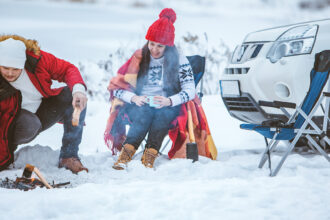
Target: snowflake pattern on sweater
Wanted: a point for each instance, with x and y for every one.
(154, 83)
(154, 75)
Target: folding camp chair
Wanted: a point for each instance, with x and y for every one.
(300, 123)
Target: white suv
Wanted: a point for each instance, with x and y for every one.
(272, 65)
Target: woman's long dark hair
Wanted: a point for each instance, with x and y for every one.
(171, 69)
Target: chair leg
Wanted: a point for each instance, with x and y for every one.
(271, 147)
(326, 139)
(290, 148)
(164, 147)
(137, 154)
(160, 151)
(268, 154)
(317, 146)
(311, 146)
(142, 148)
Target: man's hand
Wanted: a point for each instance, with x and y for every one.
(139, 100)
(162, 101)
(79, 100)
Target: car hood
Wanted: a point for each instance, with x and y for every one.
(271, 34)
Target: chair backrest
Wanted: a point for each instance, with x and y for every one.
(319, 77)
(197, 64)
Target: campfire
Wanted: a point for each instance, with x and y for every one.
(27, 183)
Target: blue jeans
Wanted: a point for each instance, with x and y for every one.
(155, 122)
(52, 110)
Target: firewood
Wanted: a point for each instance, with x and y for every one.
(76, 115)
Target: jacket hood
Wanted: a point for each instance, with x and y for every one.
(31, 45)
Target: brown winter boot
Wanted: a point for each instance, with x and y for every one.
(149, 157)
(72, 164)
(125, 156)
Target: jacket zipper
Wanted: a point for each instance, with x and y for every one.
(35, 75)
(42, 88)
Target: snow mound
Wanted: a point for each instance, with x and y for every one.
(39, 156)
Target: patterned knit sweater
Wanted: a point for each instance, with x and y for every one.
(154, 84)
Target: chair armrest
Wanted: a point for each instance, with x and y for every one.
(285, 104)
(277, 104)
(327, 94)
(267, 104)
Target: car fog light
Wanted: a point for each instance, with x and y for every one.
(282, 91)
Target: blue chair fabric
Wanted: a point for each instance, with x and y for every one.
(318, 81)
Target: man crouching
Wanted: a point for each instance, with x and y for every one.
(28, 104)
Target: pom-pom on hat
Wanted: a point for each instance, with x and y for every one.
(162, 30)
(12, 53)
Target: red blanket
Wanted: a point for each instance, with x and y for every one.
(115, 133)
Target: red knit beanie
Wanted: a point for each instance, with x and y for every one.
(162, 30)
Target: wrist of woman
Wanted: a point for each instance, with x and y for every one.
(170, 101)
(133, 99)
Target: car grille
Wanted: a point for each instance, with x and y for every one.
(246, 52)
(237, 70)
(240, 104)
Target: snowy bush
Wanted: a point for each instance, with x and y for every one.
(98, 75)
(314, 4)
(301, 4)
(217, 57)
(139, 3)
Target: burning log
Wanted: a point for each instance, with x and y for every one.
(20, 183)
(27, 183)
(27, 173)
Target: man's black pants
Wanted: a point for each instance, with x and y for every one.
(52, 110)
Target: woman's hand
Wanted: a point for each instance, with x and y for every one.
(139, 100)
(162, 101)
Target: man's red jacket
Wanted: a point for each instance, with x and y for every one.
(41, 68)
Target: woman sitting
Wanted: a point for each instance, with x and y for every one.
(159, 81)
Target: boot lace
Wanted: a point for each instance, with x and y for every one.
(149, 157)
(126, 155)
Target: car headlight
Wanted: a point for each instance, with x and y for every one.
(295, 41)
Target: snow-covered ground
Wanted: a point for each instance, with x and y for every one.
(232, 187)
